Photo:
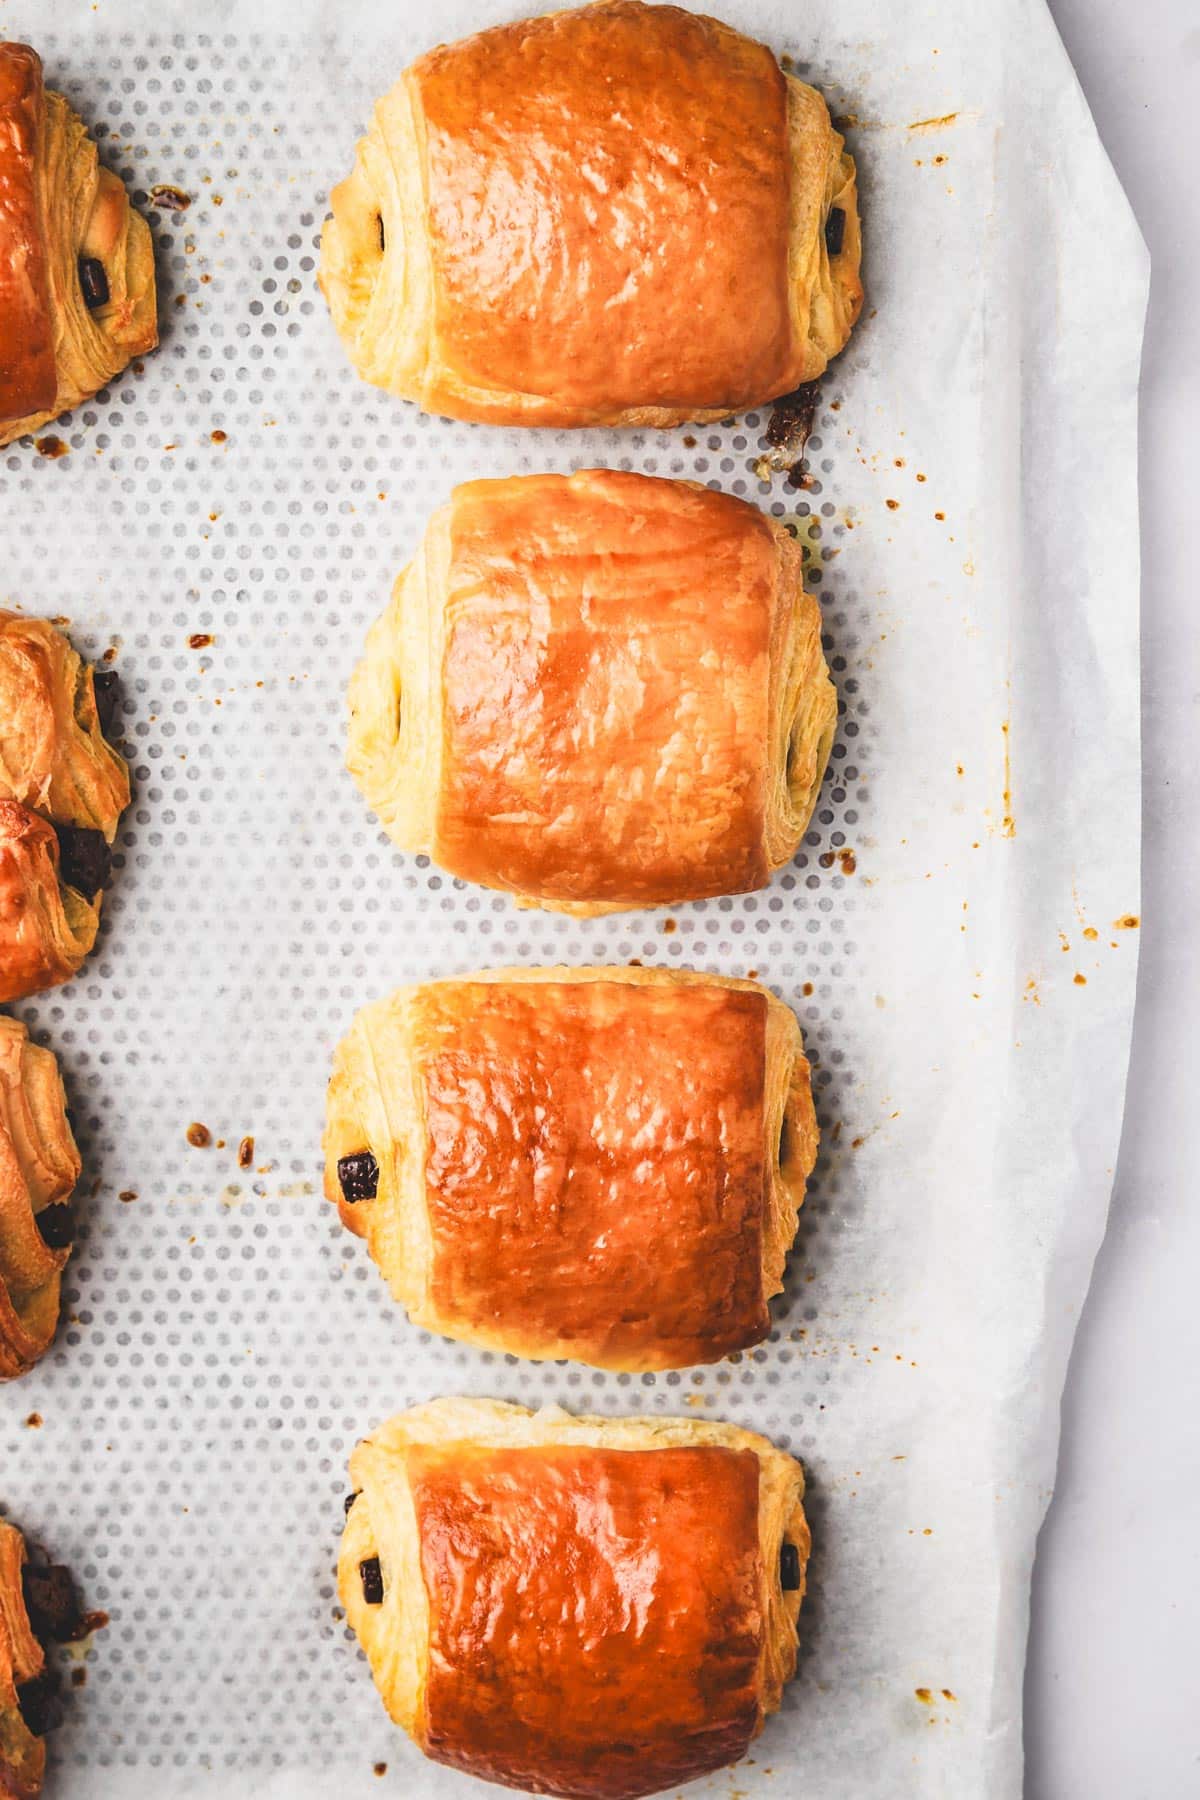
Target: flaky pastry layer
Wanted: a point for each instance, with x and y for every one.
(57, 205)
(39, 1166)
(54, 757)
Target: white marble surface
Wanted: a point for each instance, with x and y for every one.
(1113, 1700)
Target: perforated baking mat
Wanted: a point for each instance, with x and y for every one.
(957, 933)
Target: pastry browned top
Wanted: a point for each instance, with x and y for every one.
(595, 1615)
(28, 379)
(608, 194)
(569, 1127)
(606, 684)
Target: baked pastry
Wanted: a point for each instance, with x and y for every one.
(603, 1164)
(76, 262)
(597, 691)
(574, 1606)
(622, 215)
(54, 757)
(39, 1166)
(62, 792)
(38, 1606)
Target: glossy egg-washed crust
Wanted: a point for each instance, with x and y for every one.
(598, 1163)
(597, 691)
(46, 927)
(585, 1607)
(53, 755)
(57, 205)
(613, 215)
(39, 1166)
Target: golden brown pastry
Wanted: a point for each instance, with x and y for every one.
(76, 263)
(38, 1606)
(597, 691)
(622, 214)
(574, 1606)
(39, 1166)
(603, 1164)
(54, 757)
(62, 791)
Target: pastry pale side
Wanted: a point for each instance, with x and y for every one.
(39, 1605)
(39, 1166)
(77, 298)
(587, 1607)
(600, 1163)
(597, 691)
(54, 757)
(620, 214)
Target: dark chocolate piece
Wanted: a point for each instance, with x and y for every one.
(51, 1599)
(93, 282)
(84, 859)
(106, 685)
(348, 1502)
(835, 231)
(371, 1576)
(358, 1176)
(56, 1225)
(382, 233)
(789, 1567)
(791, 419)
(40, 1705)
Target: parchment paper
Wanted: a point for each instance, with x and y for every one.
(956, 933)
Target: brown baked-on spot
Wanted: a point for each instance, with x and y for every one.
(245, 1154)
(127, 1194)
(165, 198)
(218, 437)
(51, 446)
(1127, 922)
(199, 1136)
(200, 640)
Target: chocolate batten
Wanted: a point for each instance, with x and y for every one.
(789, 1567)
(40, 1705)
(358, 1176)
(106, 685)
(835, 230)
(56, 1226)
(348, 1502)
(93, 282)
(84, 859)
(371, 1576)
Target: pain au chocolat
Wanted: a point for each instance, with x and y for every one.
(621, 214)
(592, 1608)
(62, 791)
(603, 1164)
(39, 1606)
(597, 691)
(77, 299)
(39, 1166)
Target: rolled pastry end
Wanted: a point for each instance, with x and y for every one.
(39, 1166)
(374, 268)
(98, 262)
(54, 756)
(805, 710)
(792, 1140)
(825, 255)
(47, 926)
